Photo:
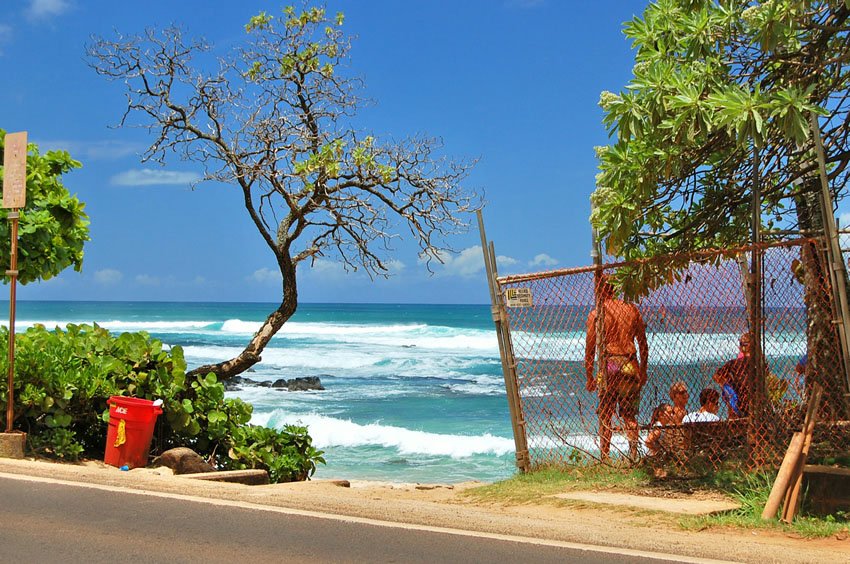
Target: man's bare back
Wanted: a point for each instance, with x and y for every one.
(623, 326)
(619, 391)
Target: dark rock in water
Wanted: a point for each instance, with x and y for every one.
(300, 384)
(234, 383)
(183, 461)
(305, 383)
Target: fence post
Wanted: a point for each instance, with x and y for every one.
(506, 352)
(601, 363)
(756, 385)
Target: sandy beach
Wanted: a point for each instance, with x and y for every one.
(445, 506)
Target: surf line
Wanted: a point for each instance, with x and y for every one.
(373, 522)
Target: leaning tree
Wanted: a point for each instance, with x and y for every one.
(713, 83)
(274, 117)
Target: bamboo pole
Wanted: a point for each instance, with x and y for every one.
(783, 477)
(792, 498)
(837, 269)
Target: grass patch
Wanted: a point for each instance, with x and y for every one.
(525, 488)
(750, 490)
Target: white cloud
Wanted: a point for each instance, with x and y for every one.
(91, 150)
(147, 280)
(147, 177)
(47, 8)
(844, 220)
(543, 260)
(264, 276)
(108, 276)
(328, 270)
(394, 266)
(199, 281)
(468, 263)
(504, 262)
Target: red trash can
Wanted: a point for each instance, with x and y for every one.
(131, 422)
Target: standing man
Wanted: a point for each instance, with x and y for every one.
(622, 374)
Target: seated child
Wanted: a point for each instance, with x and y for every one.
(659, 438)
(709, 404)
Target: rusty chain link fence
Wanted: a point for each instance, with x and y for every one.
(694, 323)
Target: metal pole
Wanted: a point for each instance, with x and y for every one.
(601, 363)
(837, 270)
(757, 391)
(13, 273)
(505, 352)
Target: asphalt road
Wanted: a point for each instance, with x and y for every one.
(48, 522)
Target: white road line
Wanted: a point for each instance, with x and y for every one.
(375, 522)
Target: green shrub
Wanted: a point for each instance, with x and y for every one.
(63, 380)
(288, 455)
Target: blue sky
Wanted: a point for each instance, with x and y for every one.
(514, 83)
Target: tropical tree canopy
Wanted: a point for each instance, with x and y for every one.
(275, 119)
(53, 226)
(713, 82)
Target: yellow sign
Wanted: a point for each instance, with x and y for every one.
(15, 170)
(518, 297)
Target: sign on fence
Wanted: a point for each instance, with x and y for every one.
(15, 170)
(518, 297)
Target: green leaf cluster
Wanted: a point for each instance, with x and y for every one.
(318, 56)
(288, 455)
(65, 377)
(53, 227)
(712, 82)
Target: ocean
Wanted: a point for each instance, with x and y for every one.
(413, 393)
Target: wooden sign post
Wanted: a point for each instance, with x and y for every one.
(14, 198)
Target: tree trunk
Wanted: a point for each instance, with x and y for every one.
(251, 354)
(824, 362)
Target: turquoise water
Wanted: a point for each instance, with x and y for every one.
(414, 393)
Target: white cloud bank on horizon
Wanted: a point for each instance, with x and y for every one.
(108, 276)
(543, 260)
(47, 8)
(147, 177)
(264, 276)
(147, 280)
(468, 263)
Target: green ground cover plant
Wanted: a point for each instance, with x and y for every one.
(749, 489)
(63, 379)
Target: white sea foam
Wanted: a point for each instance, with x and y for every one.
(119, 326)
(330, 431)
(589, 443)
(664, 348)
(479, 386)
(237, 326)
(345, 360)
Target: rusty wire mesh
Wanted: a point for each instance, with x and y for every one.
(693, 325)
